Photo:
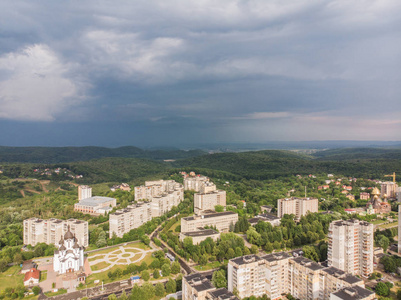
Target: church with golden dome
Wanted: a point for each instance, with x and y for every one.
(376, 204)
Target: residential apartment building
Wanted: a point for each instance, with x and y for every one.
(353, 293)
(220, 294)
(96, 205)
(221, 220)
(84, 192)
(351, 246)
(196, 287)
(279, 273)
(124, 220)
(276, 271)
(156, 188)
(163, 203)
(50, 231)
(195, 183)
(208, 200)
(247, 275)
(296, 206)
(388, 189)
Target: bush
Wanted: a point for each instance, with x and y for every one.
(36, 290)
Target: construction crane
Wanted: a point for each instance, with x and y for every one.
(392, 175)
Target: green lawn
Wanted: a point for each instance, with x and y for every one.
(43, 276)
(11, 278)
(100, 266)
(59, 292)
(211, 265)
(389, 225)
(105, 251)
(175, 225)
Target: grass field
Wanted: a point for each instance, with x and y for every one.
(11, 278)
(96, 257)
(100, 266)
(133, 245)
(210, 265)
(389, 225)
(43, 276)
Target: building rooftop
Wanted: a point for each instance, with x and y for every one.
(222, 294)
(264, 218)
(276, 256)
(95, 200)
(351, 279)
(203, 232)
(246, 259)
(353, 293)
(211, 215)
(199, 282)
(308, 263)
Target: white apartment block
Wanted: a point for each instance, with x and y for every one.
(389, 189)
(196, 287)
(353, 293)
(296, 206)
(351, 246)
(195, 183)
(276, 274)
(279, 273)
(84, 192)
(221, 221)
(247, 275)
(50, 231)
(201, 235)
(157, 188)
(124, 220)
(207, 201)
(165, 202)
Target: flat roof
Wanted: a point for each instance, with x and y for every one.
(199, 282)
(351, 279)
(204, 232)
(246, 259)
(308, 263)
(276, 256)
(94, 201)
(223, 294)
(213, 215)
(352, 293)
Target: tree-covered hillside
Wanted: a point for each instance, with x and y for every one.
(71, 154)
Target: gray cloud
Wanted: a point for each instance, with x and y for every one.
(246, 70)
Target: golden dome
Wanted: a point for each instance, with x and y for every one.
(384, 195)
(375, 191)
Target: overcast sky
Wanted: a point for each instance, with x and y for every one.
(151, 73)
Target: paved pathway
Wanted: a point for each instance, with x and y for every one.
(120, 256)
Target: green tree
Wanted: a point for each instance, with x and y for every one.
(166, 270)
(384, 242)
(145, 275)
(175, 267)
(219, 208)
(171, 286)
(254, 249)
(160, 290)
(36, 290)
(156, 274)
(112, 297)
(219, 279)
(148, 290)
(382, 289)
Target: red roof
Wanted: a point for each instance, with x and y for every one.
(33, 273)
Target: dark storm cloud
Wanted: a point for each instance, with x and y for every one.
(200, 70)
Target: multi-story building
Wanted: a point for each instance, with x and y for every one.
(388, 189)
(84, 192)
(246, 274)
(208, 200)
(269, 218)
(364, 196)
(351, 246)
(163, 203)
(124, 220)
(50, 231)
(195, 183)
(156, 188)
(196, 287)
(304, 278)
(96, 205)
(296, 206)
(221, 220)
(200, 235)
(220, 294)
(353, 293)
(333, 279)
(276, 271)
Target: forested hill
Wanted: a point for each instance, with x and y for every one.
(71, 154)
(349, 154)
(275, 163)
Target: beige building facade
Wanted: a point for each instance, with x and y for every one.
(84, 191)
(196, 287)
(96, 205)
(124, 220)
(208, 200)
(50, 231)
(195, 183)
(388, 189)
(201, 235)
(351, 246)
(296, 206)
(222, 221)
